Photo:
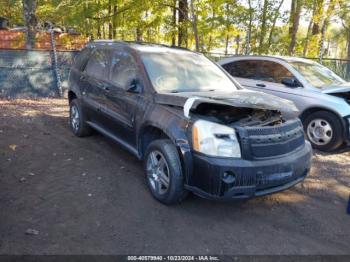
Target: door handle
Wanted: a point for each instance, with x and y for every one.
(103, 86)
(261, 85)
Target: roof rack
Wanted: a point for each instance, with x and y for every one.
(138, 43)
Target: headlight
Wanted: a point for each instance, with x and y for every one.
(215, 140)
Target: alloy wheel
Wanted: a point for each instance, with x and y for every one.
(158, 172)
(75, 118)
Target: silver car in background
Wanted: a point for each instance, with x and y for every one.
(322, 97)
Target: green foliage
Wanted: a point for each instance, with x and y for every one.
(222, 25)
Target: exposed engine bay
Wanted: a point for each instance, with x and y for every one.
(237, 116)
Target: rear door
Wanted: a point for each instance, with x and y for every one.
(94, 82)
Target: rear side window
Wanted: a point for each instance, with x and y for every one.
(81, 59)
(244, 69)
(97, 65)
(123, 68)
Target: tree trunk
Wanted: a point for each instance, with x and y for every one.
(110, 24)
(329, 12)
(183, 18)
(317, 17)
(348, 56)
(277, 14)
(249, 33)
(308, 34)
(226, 43)
(209, 44)
(293, 30)
(263, 27)
(114, 21)
(194, 23)
(98, 21)
(173, 35)
(138, 34)
(30, 20)
(98, 29)
(238, 38)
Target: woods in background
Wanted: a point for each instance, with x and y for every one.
(314, 28)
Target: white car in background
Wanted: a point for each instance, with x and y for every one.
(322, 97)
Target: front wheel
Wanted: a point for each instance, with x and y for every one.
(324, 130)
(163, 170)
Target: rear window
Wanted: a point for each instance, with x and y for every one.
(81, 59)
(244, 69)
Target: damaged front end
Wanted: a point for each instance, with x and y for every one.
(256, 151)
(261, 132)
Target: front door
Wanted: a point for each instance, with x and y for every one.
(121, 105)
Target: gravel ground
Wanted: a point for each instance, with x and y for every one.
(60, 194)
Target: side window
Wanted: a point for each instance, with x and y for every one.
(97, 65)
(272, 72)
(123, 68)
(244, 69)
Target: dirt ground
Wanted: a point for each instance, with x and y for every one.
(60, 194)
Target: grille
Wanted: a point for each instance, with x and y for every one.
(265, 142)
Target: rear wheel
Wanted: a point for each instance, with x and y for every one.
(77, 119)
(164, 173)
(324, 130)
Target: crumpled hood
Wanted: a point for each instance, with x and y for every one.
(342, 88)
(239, 98)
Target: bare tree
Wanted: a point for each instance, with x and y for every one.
(31, 21)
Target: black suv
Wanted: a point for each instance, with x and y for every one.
(195, 128)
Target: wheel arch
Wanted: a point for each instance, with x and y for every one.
(311, 110)
(71, 96)
(150, 132)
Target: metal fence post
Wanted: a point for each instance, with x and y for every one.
(55, 63)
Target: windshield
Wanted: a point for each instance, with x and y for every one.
(317, 75)
(172, 72)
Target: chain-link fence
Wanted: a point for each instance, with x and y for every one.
(25, 73)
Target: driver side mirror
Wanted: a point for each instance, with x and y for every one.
(135, 86)
(290, 82)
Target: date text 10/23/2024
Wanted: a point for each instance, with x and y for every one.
(173, 258)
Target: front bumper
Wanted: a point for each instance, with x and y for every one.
(228, 179)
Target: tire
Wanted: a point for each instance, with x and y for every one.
(77, 119)
(165, 179)
(329, 135)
